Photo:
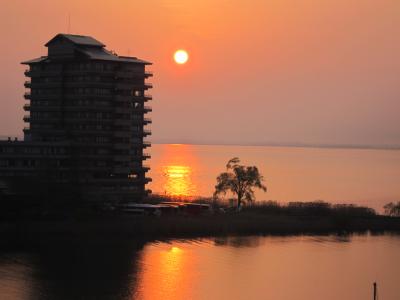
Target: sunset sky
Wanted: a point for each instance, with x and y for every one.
(259, 71)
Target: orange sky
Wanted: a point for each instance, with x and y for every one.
(260, 71)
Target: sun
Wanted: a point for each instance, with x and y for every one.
(181, 57)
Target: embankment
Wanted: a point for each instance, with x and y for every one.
(125, 227)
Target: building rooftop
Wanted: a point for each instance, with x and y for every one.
(35, 60)
(77, 39)
(89, 47)
(103, 54)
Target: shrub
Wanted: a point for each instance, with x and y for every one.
(392, 209)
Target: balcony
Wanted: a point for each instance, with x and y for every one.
(93, 83)
(42, 120)
(50, 84)
(137, 122)
(48, 108)
(123, 98)
(139, 168)
(28, 95)
(121, 170)
(122, 134)
(124, 85)
(146, 155)
(122, 146)
(148, 85)
(122, 110)
(92, 132)
(88, 96)
(141, 133)
(87, 120)
(132, 74)
(94, 107)
(37, 73)
(123, 74)
(147, 120)
(141, 109)
(122, 158)
(122, 122)
(46, 131)
(90, 71)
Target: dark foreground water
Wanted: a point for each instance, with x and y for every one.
(301, 268)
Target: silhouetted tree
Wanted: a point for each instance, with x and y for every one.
(240, 180)
(392, 209)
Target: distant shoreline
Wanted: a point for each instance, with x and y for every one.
(266, 144)
(277, 145)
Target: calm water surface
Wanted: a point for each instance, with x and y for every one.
(302, 268)
(365, 177)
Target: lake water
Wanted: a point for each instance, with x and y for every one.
(364, 177)
(278, 268)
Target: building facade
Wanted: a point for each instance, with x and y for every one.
(85, 121)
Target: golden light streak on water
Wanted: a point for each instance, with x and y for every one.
(178, 181)
(173, 279)
(175, 171)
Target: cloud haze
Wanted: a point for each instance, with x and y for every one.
(259, 71)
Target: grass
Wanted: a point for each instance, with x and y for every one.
(261, 218)
(316, 208)
(264, 218)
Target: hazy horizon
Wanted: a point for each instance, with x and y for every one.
(262, 72)
(260, 144)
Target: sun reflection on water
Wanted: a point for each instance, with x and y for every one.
(174, 172)
(177, 171)
(166, 273)
(178, 181)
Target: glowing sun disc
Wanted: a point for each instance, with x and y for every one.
(181, 57)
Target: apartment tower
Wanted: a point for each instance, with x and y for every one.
(85, 122)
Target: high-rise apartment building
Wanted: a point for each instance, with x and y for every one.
(86, 121)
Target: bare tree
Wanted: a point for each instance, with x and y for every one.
(392, 209)
(240, 180)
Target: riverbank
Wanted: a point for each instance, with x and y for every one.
(126, 227)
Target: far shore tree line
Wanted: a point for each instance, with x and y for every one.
(241, 180)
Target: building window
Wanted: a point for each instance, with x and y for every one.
(137, 93)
